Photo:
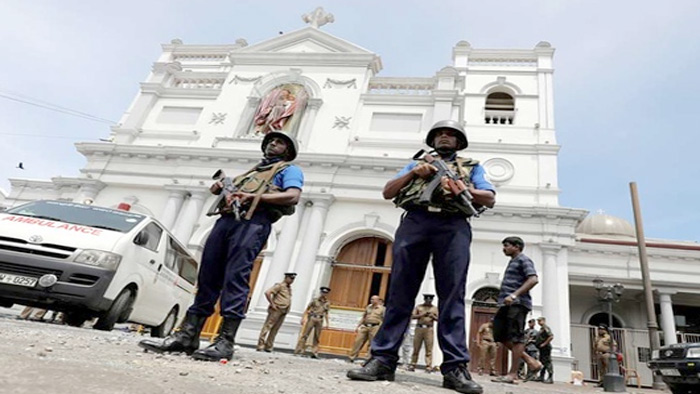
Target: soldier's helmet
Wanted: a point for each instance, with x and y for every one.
(462, 142)
(292, 145)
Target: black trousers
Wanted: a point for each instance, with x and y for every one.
(420, 235)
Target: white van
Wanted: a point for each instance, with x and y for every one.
(89, 261)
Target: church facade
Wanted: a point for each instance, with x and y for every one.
(205, 107)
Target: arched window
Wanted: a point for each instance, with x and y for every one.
(499, 108)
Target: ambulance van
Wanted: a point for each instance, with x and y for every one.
(88, 261)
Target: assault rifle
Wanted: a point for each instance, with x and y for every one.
(461, 194)
(219, 205)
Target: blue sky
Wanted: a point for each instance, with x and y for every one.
(626, 80)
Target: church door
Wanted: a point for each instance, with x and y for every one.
(484, 308)
(360, 270)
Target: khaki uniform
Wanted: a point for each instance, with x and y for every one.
(603, 346)
(282, 299)
(424, 334)
(487, 349)
(317, 311)
(369, 325)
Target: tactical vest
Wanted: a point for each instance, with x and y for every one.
(408, 196)
(262, 177)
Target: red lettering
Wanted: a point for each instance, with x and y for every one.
(48, 223)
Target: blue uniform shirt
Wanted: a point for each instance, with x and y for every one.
(289, 177)
(477, 176)
(517, 272)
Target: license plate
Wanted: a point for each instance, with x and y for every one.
(670, 372)
(18, 280)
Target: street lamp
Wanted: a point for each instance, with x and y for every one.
(610, 294)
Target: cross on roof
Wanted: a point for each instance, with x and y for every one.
(318, 17)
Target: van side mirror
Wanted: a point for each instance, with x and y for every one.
(141, 238)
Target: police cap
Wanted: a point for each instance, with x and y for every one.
(428, 296)
(325, 289)
(291, 274)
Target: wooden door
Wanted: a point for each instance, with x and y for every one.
(360, 270)
(481, 315)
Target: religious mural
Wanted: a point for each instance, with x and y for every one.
(281, 109)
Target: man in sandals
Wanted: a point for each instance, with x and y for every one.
(265, 193)
(515, 303)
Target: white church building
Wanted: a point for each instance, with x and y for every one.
(205, 107)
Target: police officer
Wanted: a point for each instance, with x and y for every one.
(544, 345)
(315, 313)
(426, 315)
(267, 192)
(604, 344)
(368, 326)
(487, 348)
(280, 298)
(441, 229)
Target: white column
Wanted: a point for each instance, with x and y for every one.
(549, 282)
(172, 208)
(309, 250)
(307, 123)
(668, 322)
(282, 254)
(190, 214)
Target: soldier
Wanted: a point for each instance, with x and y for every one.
(604, 345)
(368, 326)
(487, 348)
(515, 303)
(426, 315)
(267, 192)
(313, 317)
(544, 345)
(530, 348)
(280, 298)
(440, 228)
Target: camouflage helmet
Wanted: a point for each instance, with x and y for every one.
(462, 142)
(292, 146)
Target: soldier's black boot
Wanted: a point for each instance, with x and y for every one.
(222, 347)
(371, 371)
(460, 380)
(186, 339)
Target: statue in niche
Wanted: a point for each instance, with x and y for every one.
(280, 109)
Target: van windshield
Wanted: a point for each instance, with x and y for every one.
(86, 215)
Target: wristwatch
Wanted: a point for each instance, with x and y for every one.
(513, 297)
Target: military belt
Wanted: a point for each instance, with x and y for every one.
(424, 326)
(371, 324)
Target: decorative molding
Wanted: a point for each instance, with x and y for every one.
(218, 118)
(371, 219)
(499, 170)
(238, 79)
(337, 83)
(342, 122)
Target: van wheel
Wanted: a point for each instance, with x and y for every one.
(165, 328)
(74, 319)
(111, 316)
(6, 303)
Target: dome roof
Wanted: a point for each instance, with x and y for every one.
(602, 224)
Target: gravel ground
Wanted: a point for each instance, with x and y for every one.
(59, 359)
